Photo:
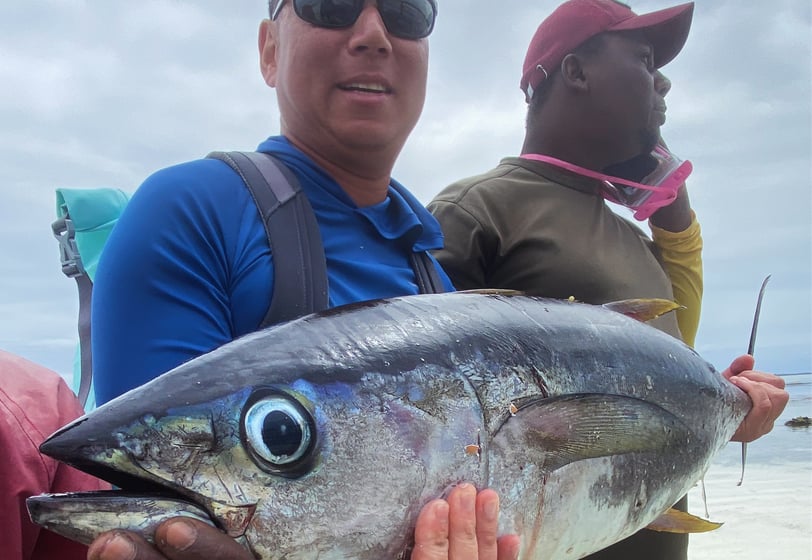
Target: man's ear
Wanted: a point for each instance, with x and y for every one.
(572, 72)
(267, 51)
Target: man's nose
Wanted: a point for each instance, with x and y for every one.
(369, 31)
(662, 84)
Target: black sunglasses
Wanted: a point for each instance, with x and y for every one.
(407, 19)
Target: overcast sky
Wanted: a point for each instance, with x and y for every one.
(103, 92)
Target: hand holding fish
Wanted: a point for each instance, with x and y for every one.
(177, 539)
(765, 390)
(463, 526)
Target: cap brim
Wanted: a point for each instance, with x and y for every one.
(666, 30)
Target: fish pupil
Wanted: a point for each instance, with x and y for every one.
(281, 433)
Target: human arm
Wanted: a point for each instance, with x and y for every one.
(181, 259)
(463, 527)
(676, 233)
(34, 402)
(64, 478)
(765, 390)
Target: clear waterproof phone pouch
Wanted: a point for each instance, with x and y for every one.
(663, 177)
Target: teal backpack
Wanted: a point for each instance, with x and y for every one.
(85, 218)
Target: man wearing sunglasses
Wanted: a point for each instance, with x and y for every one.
(350, 80)
(539, 223)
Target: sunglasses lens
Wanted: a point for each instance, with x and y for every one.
(408, 19)
(329, 13)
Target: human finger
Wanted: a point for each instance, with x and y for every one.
(768, 402)
(490, 546)
(487, 524)
(189, 539)
(764, 377)
(431, 532)
(739, 365)
(122, 545)
(508, 547)
(462, 537)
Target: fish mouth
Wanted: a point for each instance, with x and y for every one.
(127, 484)
(142, 498)
(83, 516)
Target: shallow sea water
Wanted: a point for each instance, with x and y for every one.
(770, 515)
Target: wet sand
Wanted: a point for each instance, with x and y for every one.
(768, 517)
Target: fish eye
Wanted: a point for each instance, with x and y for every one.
(278, 430)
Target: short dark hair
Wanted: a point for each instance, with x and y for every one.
(590, 47)
(271, 6)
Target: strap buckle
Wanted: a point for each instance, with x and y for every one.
(65, 234)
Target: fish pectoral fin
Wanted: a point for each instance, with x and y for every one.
(676, 521)
(643, 309)
(570, 428)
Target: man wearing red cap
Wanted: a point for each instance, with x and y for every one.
(596, 99)
(539, 223)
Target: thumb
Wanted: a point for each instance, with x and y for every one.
(742, 363)
(189, 539)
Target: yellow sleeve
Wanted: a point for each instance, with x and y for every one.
(681, 253)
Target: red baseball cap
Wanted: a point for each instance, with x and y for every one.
(575, 21)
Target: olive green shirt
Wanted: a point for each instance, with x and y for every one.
(530, 226)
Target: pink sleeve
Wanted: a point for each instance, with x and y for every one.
(34, 402)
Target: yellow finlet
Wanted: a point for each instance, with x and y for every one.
(644, 309)
(676, 521)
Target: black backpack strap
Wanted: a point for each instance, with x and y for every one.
(72, 267)
(300, 269)
(425, 271)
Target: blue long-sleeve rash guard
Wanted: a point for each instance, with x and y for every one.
(188, 268)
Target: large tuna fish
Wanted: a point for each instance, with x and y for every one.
(323, 437)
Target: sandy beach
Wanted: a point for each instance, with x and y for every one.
(770, 515)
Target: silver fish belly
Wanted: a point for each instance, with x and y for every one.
(323, 437)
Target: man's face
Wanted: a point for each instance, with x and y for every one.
(627, 94)
(358, 88)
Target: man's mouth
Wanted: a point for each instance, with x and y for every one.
(366, 87)
(660, 115)
(660, 109)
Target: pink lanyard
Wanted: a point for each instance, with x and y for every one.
(644, 204)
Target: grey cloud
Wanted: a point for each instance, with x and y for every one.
(104, 93)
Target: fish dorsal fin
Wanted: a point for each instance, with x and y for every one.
(493, 292)
(676, 521)
(556, 431)
(643, 309)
